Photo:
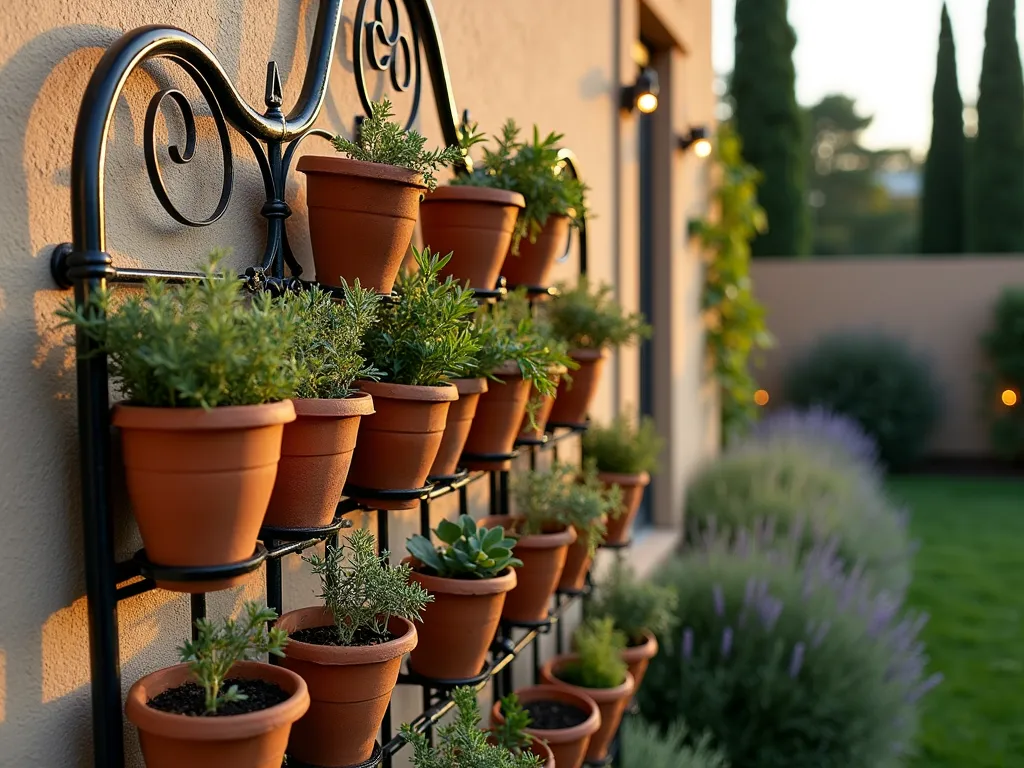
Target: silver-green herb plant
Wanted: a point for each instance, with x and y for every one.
(644, 745)
(512, 732)
(329, 339)
(383, 140)
(590, 318)
(599, 663)
(634, 605)
(363, 591)
(471, 552)
(202, 343)
(624, 445)
(217, 647)
(463, 744)
(424, 338)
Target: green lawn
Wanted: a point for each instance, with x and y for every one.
(969, 576)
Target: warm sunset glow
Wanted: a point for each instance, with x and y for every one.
(647, 102)
(1009, 398)
(702, 148)
(761, 397)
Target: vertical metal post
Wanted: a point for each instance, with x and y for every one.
(463, 500)
(198, 609)
(382, 531)
(493, 493)
(275, 598)
(425, 518)
(428, 700)
(385, 733)
(503, 492)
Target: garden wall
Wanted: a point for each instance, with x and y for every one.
(558, 64)
(939, 305)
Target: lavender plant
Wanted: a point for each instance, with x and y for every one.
(787, 658)
(645, 746)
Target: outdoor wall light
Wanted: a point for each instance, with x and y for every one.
(1009, 398)
(643, 94)
(761, 397)
(698, 139)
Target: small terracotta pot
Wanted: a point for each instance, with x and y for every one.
(459, 626)
(632, 487)
(398, 443)
(639, 655)
(255, 739)
(568, 745)
(533, 264)
(574, 398)
(538, 748)
(347, 685)
(611, 701)
(456, 430)
(527, 432)
(499, 417)
(578, 560)
(361, 218)
(200, 481)
(543, 557)
(315, 456)
(475, 224)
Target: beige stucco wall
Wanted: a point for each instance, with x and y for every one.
(556, 64)
(940, 306)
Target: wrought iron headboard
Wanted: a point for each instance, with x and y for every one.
(86, 265)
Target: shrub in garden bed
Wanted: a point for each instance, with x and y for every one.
(876, 380)
(643, 745)
(788, 661)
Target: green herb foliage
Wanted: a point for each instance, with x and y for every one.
(591, 319)
(634, 605)
(424, 338)
(624, 445)
(329, 339)
(383, 140)
(599, 646)
(734, 319)
(534, 170)
(462, 744)
(512, 734)
(217, 647)
(560, 496)
(363, 591)
(471, 553)
(645, 746)
(198, 344)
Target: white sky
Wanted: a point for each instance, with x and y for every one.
(880, 52)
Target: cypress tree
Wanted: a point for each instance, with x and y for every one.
(770, 124)
(998, 200)
(943, 204)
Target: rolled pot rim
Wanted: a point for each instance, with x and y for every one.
(600, 695)
(625, 478)
(127, 415)
(344, 166)
(386, 390)
(340, 655)
(359, 403)
(476, 385)
(552, 540)
(468, 193)
(496, 585)
(547, 692)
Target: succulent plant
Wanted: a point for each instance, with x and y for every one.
(471, 552)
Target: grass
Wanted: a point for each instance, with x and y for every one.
(969, 575)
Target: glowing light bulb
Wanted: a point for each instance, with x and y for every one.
(647, 102)
(761, 397)
(702, 148)
(1009, 398)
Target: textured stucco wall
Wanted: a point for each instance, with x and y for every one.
(557, 64)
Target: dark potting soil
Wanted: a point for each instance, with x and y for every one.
(329, 636)
(554, 715)
(189, 699)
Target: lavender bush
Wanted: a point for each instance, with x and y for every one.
(798, 484)
(787, 658)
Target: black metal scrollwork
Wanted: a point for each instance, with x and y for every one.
(401, 61)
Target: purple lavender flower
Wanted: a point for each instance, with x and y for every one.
(797, 660)
(726, 642)
(719, 598)
(687, 643)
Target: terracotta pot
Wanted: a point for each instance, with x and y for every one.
(573, 399)
(255, 739)
(639, 655)
(538, 748)
(632, 487)
(200, 481)
(499, 416)
(349, 688)
(474, 224)
(459, 626)
(361, 218)
(456, 430)
(533, 264)
(315, 456)
(527, 432)
(611, 701)
(543, 557)
(398, 443)
(577, 565)
(568, 745)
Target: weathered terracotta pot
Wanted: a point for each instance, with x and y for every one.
(611, 701)
(315, 456)
(578, 560)
(568, 745)
(527, 432)
(255, 739)
(574, 398)
(361, 218)
(474, 224)
(349, 688)
(398, 443)
(458, 627)
(200, 481)
(538, 748)
(533, 264)
(456, 430)
(499, 416)
(639, 655)
(543, 557)
(632, 487)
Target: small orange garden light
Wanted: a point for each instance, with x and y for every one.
(761, 397)
(1009, 398)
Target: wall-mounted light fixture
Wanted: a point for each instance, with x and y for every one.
(698, 139)
(643, 94)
